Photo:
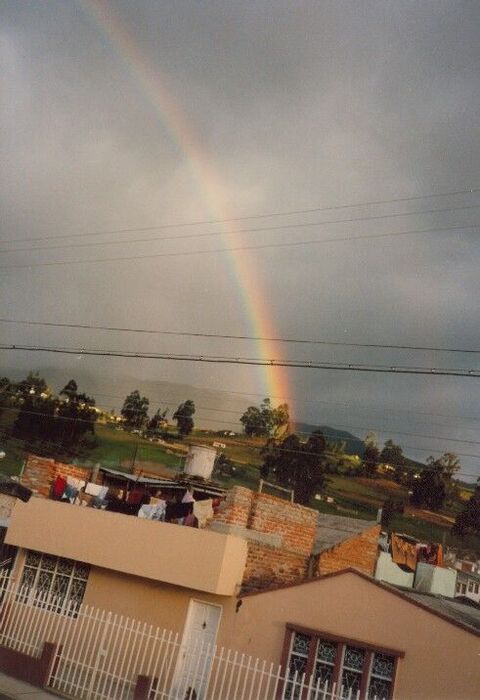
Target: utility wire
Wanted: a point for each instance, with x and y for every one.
(261, 229)
(247, 218)
(254, 361)
(191, 334)
(386, 430)
(262, 246)
(166, 399)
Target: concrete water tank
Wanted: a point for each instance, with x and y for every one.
(200, 461)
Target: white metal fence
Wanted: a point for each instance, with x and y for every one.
(100, 655)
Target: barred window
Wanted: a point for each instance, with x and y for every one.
(320, 660)
(54, 581)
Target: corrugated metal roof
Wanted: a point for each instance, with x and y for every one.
(182, 483)
(334, 529)
(465, 614)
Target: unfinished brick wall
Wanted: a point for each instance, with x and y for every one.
(292, 526)
(359, 551)
(39, 473)
(235, 509)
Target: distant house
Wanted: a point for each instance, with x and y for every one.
(468, 585)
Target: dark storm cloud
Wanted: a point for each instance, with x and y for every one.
(298, 106)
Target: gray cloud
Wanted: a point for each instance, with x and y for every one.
(296, 106)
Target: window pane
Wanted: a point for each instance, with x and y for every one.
(81, 570)
(383, 666)
(48, 562)
(324, 662)
(44, 581)
(301, 644)
(350, 683)
(327, 651)
(298, 664)
(33, 559)
(77, 591)
(60, 586)
(65, 566)
(28, 577)
(323, 674)
(379, 689)
(354, 658)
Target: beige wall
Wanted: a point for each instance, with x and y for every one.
(157, 603)
(441, 660)
(153, 550)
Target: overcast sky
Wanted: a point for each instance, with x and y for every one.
(293, 106)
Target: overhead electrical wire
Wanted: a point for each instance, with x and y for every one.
(291, 212)
(224, 336)
(261, 229)
(381, 429)
(166, 399)
(254, 361)
(263, 246)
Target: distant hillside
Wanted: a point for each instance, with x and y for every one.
(353, 444)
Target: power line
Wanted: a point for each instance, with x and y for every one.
(326, 433)
(261, 229)
(248, 218)
(253, 361)
(191, 334)
(230, 392)
(165, 399)
(262, 246)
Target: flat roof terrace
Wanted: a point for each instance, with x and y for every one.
(183, 556)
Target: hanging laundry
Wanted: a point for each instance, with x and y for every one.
(58, 487)
(404, 551)
(188, 497)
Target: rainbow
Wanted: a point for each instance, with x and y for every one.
(154, 89)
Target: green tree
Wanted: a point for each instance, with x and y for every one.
(296, 465)
(61, 423)
(468, 520)
(392, 455)
(253, 423)
(135, 410)
(184, 417)
(223, 466)
(75, 416)
(371, 455)
(429, 490)
(32, 385)
(157, 422)
(447, 465)
(264, 421)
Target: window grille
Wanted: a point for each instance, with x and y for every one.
(354, 669)
(55, 579)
